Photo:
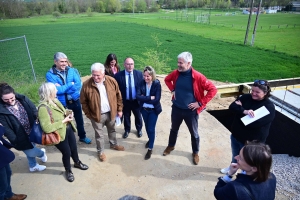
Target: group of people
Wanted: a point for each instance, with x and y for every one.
(112, 93)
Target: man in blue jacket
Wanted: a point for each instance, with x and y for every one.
(68, 85)
(5, 172)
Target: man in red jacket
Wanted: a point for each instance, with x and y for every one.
(187, 86)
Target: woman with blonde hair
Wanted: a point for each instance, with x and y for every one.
(149, 93)
(50, 107)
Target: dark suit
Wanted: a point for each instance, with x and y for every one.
(130, 105)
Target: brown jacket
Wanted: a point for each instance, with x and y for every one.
(90, 98)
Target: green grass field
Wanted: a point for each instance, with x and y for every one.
(217, 49)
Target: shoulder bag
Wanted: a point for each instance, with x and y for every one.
(37, 135)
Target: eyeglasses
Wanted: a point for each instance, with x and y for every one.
(260, 82)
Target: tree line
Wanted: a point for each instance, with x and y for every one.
(27, 8)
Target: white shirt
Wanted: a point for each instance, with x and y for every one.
(103, 97)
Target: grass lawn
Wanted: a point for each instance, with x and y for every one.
(218, 50)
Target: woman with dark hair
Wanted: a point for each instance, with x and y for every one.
(50, 107)
(246, 105)
(148, 94)
(255, 182)
(17, 114)
(111, 65)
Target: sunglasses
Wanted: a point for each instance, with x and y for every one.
(260, 82)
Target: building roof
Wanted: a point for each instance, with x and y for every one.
(295, 3)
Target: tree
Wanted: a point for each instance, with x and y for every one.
(98, 6)
(113, 6)
(89, 12)
(155, 57)
(141, 5)
(129, 6)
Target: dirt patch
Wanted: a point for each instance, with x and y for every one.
(161, 177)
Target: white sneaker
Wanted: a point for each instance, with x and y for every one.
(44, 158)
(38, 168)
(225, 170)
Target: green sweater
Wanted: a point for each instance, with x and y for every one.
(58, 115)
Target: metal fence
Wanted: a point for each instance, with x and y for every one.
(15, 61)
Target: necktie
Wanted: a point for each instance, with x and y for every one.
(130, 88)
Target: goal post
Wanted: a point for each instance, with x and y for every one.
(15, 60)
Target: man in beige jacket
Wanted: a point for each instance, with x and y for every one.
(101, 102)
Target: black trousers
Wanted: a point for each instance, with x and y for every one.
(68, 148)
(191, 120)
(135, 108)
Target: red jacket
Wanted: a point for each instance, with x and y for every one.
(200, 84)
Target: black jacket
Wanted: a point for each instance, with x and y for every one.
(234, 190)
(154, 91)
(14, 130)
(258, 130)
(6, 155)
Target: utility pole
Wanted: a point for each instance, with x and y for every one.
(249, 21)
(256, 21)
(132, 6)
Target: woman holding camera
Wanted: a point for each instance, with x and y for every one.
(50, 107)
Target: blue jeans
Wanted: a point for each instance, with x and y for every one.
(77, 110)
(191, 119)
(31, 154)
(236, 147)
(150, 119)
(5, 188)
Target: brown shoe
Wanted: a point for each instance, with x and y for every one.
(168, 150)
(117, 147)
(102, 157)
(18, 197)
(195, 158)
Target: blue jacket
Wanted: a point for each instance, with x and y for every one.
(6, 155)
(66, 87)
(154, 91)
(120, 78)
(234, 190)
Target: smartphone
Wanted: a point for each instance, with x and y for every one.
(68, 112)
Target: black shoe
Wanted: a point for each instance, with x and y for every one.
(125, 135)
(148, 154)
(70, 175)
(80, 165)
(147, 145)
(139, 134)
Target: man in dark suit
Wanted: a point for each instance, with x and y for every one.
(128, 81)
(5, 172)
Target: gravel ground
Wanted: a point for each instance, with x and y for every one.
(286, 169)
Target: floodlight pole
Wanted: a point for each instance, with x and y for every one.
(249, 21)
(256, 21)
